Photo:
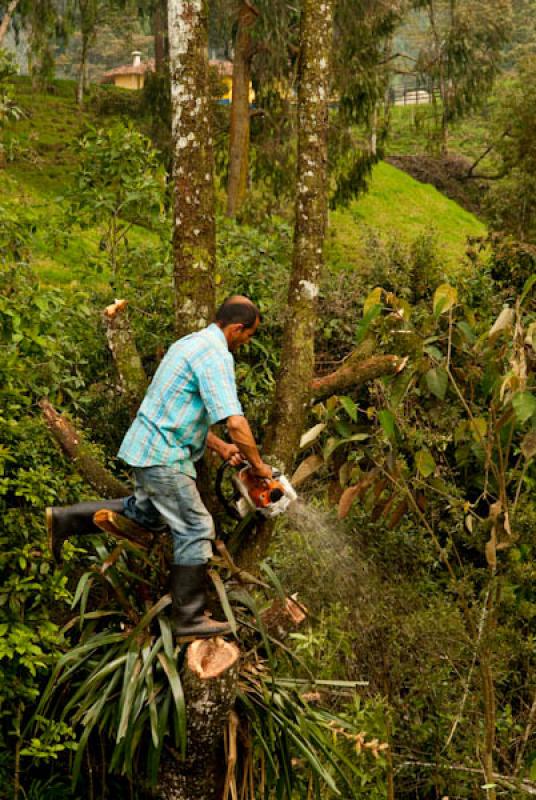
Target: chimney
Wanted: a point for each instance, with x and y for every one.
(136, 58)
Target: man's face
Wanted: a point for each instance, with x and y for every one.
(238, 335)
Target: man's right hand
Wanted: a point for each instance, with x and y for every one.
(262, 470)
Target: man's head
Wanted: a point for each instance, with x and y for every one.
(238, 318)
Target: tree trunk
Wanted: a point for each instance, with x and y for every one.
(81, 85)
(194, 230)
(239, 131)
(132, 377)
(73, 445)
(297, 357)
(6, 19)
(210, 680)
(160, 35)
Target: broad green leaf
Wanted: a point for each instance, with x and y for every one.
(467, 331)
(445, 297)
(479, 428)
(349, 406)
(425, 463)
(364, 324)
(433, 351)
(374, 299)
(437, 381)
(332, 443)
(311, 435)
(524, 404)
(387, 421)
(529, 283)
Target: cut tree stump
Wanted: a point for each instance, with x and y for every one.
(210, 680)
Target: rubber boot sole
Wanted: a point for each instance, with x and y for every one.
(190, 635)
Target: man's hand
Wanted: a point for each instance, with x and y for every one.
(262, 470)
(231, 454)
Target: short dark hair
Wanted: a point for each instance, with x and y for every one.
(237, 310)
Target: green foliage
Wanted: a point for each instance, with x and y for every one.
(43, 335)
(118, 183)
(512, 201)
(449, 444)
(121, 680)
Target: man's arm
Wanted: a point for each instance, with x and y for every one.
(241, 434)
(229, 452)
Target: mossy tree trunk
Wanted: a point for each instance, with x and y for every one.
(194, 231)
(297, 357)
(239, 130)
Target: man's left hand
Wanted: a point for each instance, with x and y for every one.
(232, 455)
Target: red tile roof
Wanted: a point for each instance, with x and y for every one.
(130, 69)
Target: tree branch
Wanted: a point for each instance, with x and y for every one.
(132, 377)
(72, 443)
(6, 19)
(356, 371)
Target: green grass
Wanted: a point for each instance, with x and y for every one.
(44, 159)
(397, 205)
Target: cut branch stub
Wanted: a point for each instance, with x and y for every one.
(283, 617)
(354, 374)
(72, 443)
(132, 377)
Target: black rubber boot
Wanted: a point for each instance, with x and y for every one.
(76, 520)
(188, 616)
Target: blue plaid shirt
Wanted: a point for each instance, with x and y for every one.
(194, 387)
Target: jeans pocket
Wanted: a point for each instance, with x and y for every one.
(163, 481)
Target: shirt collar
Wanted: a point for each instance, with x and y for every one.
(218, 334)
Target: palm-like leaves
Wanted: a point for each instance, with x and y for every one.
(122, 679)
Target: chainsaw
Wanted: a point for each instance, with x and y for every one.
(252, 495)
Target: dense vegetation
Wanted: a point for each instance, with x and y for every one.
(416, 556)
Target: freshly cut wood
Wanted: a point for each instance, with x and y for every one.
(355, 373)
(132, 377)
(123, 528)
(72, 443)
(282, 617)
(209, 680)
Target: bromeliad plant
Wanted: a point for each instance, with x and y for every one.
(120, 682)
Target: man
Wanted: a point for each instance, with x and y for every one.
(193, 388)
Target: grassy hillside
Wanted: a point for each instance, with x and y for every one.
(397, 205)
(42, 159)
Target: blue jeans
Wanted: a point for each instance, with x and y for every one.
(166, 495)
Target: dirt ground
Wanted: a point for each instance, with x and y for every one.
(448, 175)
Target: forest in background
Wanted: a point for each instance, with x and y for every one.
(413, 673)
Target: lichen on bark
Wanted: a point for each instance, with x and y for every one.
(297, 359)
(193, 186)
